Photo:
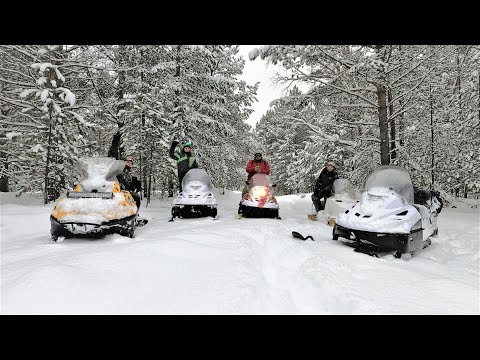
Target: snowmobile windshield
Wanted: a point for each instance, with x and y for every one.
(343, 186)
(197, 175)
(100, 167)
(259, 180)
(392, 177)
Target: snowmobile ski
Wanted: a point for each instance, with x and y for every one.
(300, 236)
(142, 222)
(365, 251)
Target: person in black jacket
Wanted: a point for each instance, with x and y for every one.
(185, 159)
(323, 186)
(129, 182)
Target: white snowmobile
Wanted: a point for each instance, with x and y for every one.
(386, 219)
(259, 201)
(97, 206)
(343, 198)
(196, 198)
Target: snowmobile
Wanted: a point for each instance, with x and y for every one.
(196, 198)
(386, 219)
(343, 198)
(96, 206)
(259, 201)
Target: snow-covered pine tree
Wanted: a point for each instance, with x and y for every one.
(44, 112)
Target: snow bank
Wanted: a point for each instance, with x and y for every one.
(232, 266)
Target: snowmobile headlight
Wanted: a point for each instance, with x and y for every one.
(260, 191)
(101, 195)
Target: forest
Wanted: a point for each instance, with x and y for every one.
(417, 106)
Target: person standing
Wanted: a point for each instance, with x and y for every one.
(185, 159)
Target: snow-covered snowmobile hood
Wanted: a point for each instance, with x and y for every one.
(98, 197)
(380, 210)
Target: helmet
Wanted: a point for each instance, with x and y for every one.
(187, 143)
(258, 151)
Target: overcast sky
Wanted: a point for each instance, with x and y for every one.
(258, 70)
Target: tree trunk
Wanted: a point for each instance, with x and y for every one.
(150, 175)
(458, 86)
(177, 92)
(145, 181)
(116, 148)
(393, 143)
(142, 177)
(4, 178)
(47, 165)
(141, 140)
(431, 139)
(383, 125)
(4, 184)
(170, 188)
(401, 127)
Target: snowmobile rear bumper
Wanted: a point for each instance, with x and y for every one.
(256, 212)
(194, 211)
(384, 241)
(125, 226)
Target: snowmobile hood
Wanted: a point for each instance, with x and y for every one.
(94, 210)
(260, 193)
(380, 210)
(98, 197)
(196, 189)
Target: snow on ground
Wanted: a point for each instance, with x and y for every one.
(231, 266)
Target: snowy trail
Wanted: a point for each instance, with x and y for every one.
(232, 266)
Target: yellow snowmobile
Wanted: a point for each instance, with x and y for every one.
(97, 206)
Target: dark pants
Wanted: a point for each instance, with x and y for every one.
(136, 197)
(316, 200)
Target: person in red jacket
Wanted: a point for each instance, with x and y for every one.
(257, 165)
